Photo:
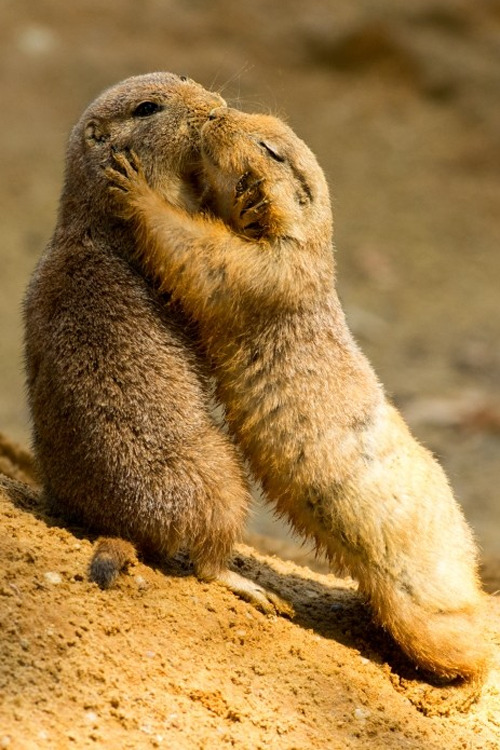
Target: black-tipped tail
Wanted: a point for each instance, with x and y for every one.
(111, 556)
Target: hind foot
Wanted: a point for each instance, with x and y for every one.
(262, 599)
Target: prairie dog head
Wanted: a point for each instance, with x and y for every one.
(234, 144)
(159, 116)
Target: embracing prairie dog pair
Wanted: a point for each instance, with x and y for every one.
(301, 400)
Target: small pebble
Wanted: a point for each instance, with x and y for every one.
(52, 577)
(361, 713)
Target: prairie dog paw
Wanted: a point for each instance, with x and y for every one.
(250, 212)
(127, 181)
(265, 601)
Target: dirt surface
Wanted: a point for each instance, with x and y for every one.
(400, 103)
(165, 661)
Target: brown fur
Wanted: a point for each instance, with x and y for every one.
(301, 399)
(122, 426)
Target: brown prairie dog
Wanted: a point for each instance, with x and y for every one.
(301, 399)
(122, 427)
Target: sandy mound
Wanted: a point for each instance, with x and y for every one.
(165, 661)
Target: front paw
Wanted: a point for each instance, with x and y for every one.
(251, 207)
(126, 182)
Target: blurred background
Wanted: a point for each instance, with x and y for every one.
(401, 104)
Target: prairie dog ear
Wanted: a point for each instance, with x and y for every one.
(96, 133)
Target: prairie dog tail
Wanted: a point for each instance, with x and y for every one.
(448, 643)
(111, 556)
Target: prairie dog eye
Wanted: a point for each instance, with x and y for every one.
(146, 109)
(271, 151)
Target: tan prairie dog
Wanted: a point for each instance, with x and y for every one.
(122, 427)
(301, 399)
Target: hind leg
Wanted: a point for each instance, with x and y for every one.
(409, 546)
(198, 502)
(219, 522)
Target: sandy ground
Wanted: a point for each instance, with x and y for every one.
(165, 661)
(400, 103)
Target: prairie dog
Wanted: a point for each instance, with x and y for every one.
(122, 428)
(301, 399)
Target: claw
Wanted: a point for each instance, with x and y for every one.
(265, 601)
(135, 161)
(118, 181)
(242, 183)
(264, 202)
(244, 186)
(128, 162)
